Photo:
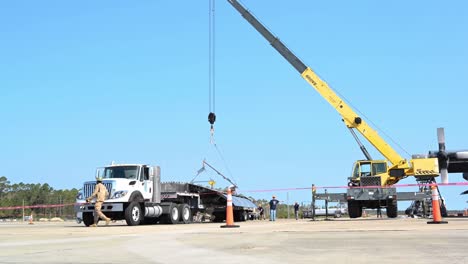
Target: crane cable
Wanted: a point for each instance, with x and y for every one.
(211, 80)
(211, 69)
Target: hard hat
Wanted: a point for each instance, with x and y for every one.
(99, 178)
(274, 196)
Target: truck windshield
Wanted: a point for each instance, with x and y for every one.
(123, 172)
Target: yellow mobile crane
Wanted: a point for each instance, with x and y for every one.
(369, 176)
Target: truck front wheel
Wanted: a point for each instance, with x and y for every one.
(133, 214)
(88, 218)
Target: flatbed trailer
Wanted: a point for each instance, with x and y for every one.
(211, 202)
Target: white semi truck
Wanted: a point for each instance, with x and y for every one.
(137, 196)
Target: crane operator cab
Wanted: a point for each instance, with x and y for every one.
(368, 173)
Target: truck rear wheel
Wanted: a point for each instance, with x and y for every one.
(133, 214)
(172, 217)
(185, 214)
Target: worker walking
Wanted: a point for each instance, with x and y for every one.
(296, 210)
(273, 203)
(101, 194)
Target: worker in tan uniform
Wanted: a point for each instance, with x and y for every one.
(101, 193)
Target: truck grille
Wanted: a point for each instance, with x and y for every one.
(88, 188)
(370, 181)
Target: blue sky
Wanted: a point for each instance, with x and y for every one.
(86, 83)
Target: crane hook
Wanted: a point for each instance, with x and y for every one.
(212, 120)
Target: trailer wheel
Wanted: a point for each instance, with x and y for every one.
(245, 216)
(185, 214)
(133, 214)
(392, 208)
(88, 218)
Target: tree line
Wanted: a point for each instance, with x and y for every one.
(30, 194)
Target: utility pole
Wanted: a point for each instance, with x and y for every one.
(287, 202)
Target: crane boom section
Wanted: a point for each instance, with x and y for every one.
(350, 118)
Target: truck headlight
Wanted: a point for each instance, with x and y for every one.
(119, 194)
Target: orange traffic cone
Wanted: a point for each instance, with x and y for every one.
(31, 220)
(436, 216)
(229, 211)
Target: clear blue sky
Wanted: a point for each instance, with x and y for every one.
(90, 82)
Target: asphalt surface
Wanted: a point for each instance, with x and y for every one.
(366, 240)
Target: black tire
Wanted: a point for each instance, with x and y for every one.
(185, 214)
(245, 216)
(172, 217)
(354, 209)
(133, 214)
(392, 209)
(408, 211)
(88, 218)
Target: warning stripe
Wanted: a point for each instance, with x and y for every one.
(264, 190)
(36, 206)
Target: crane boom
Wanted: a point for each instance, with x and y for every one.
(369, 175)
(350, 118)
(421, 167)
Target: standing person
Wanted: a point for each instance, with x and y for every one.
(261, 212)
(296, 210)
(379, 212)
(273, 203)
(101, 193)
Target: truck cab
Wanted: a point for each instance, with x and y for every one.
(122, 181)
(128, 179)
(134, 195)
